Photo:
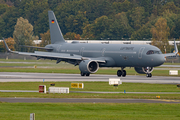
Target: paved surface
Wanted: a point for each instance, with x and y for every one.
(34, 77)
(84, 100)
(29, 91)
(176, 66)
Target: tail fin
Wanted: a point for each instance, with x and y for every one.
(55, 31)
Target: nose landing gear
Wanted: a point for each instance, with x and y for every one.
(148, 71)
(148, 75)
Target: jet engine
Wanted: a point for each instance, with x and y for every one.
(143, 70)
(88, 66)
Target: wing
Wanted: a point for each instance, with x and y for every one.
(71, 58)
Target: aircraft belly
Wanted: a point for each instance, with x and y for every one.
(124, 60)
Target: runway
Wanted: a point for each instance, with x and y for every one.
(50, 77)
(84, 100)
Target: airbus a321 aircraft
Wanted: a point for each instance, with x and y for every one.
(90, 57)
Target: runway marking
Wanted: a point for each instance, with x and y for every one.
(166, 100)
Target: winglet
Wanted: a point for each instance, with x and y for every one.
(7, 48)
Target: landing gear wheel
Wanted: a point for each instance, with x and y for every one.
(82, 74)
(87, 74)
(119, 73)
(124, 73)
(148, 75)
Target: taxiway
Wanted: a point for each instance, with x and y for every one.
(38, 77)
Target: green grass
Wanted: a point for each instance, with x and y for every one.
(86, 111)
(89, 111)
(93, 86)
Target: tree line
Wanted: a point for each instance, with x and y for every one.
(95, 19)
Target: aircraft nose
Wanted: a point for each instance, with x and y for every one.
(160, 60)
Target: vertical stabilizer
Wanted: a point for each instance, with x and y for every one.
(55, 31)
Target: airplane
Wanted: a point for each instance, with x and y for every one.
(90, 57)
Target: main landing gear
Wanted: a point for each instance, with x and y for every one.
(121, 73)
(85, 74)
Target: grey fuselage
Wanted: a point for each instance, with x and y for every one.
(115, 55)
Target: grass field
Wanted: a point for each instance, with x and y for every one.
(89, 111)
(93, 86)
(85, 111)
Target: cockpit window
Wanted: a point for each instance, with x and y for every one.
(156, 52)
(150, 52)
(153, 52)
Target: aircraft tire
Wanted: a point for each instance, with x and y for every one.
(87, 74)
(148, 75)
(119, 73)
(82, 74)
(124, 73)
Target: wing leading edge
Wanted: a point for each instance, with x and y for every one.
(55, 56)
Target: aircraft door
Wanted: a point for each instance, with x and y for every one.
(140, 52)
(103, 51)
(59, 48)
(81, 51)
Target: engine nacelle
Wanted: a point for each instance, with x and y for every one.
(88, 66)
(143, 70)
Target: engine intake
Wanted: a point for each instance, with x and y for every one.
(143, 70)
(88, 66)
